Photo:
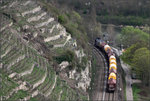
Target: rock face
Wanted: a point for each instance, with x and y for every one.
(29, 36)
(84, 81)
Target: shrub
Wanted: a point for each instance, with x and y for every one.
(62, 19)
(76, 16)
(66, 56)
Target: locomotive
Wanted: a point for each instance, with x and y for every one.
(112, 63)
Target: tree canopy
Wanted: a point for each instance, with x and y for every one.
(131, 35)
(138, 53)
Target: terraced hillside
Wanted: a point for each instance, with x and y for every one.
(29, 37)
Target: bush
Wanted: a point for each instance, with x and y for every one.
(62, 19)
(66, 56)
(76, 15)
(136, 90)
(131, 35)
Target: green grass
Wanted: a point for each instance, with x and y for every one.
(124, 88)
(56, 90)
(19, 64)
(136, 90)
(36, 75)
(19, 95)
(94, 69)
(33, 99)
(84, 98)
(7, 84)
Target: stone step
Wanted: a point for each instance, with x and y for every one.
(5, 33)
(5, 22)
(7, 84)
(48, 82)
(39, 80)
(19, 65)
(36, 17)
(5, 52)
(7, 37)
(5, 26)
(14, 60)
(31, 10)
(47, 86)
(49, 91)
(13, 4)
(32, 75)
(5, 46)
(21, 7)
(44, 85)
(61, 40)
(26, 67)
(27, 71)
(10, 54)
(51, 30)
(44, 22)
(35, 76)
(42, 63)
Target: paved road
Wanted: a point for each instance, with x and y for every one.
(129, 94)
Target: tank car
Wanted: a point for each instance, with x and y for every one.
(112, 57)
(112, 62)
(113, 68)
(111, 84)
(107, 49)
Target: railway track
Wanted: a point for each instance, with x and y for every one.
(100, 81)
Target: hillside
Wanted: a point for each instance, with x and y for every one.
(47, 49)
(118, 12)
(39, 59)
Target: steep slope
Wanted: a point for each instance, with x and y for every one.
(30, 38)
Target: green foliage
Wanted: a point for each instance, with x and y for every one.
(19, 95)
(138, 58)
(73, 25)
(33, 99)
(62, 19)
(49, 7)
(129, 53)
(72, 65)
(66, 56)
(102, 12)
(137, 55)
(132, 35)
(72, 22)
(84, 60)
(141, 64)
(80, 67)
(123, 20)
(76, 15)
(136, 90)
(7, 84)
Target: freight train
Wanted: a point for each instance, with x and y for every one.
(112, 63)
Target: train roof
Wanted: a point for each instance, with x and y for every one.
(112, 56)
(112, 61)
(106, 46)
(112, 75)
